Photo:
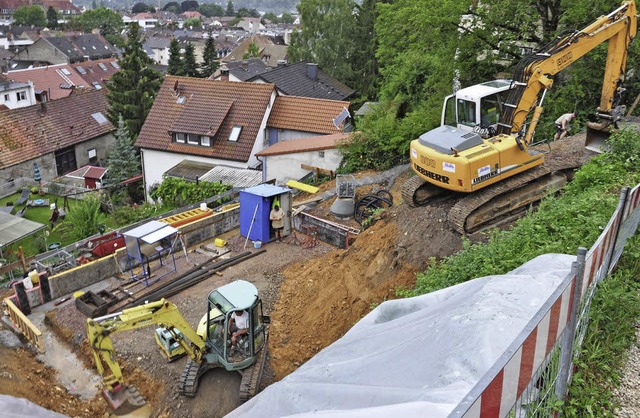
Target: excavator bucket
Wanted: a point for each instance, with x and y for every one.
(597, 137)
(124, 400)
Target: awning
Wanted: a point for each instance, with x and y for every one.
(14, 228)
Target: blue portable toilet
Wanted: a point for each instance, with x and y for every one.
(255, 204)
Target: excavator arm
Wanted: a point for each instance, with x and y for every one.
(535, 72)
(99, 330)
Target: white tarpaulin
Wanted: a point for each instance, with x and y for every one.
(416, 357)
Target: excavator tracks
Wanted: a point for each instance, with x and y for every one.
(188, 383)
(417, 192)
(506, 200)
(252, 376)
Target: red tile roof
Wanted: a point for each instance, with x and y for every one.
(96, 71)
(29, 132)
(50, 79)
(314, 143)
(305, 114)
(208, 106)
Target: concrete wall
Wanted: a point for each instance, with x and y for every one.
(69, 281)
(287, 166)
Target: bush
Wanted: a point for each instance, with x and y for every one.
(179, 192)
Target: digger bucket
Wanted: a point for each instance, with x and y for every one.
(124, 400)
(597, 135)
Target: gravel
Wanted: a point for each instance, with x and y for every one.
(628, 394)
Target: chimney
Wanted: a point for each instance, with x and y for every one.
(282, 63)
(245, 65)
(312, 71)
(43, 108)
(224, 73)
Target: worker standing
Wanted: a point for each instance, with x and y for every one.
(561, 125)
(277, 221)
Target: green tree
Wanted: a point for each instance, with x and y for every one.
(287, 18)
(52, 18)
(194, 22)
(176, 65)
(173, 7)
(365, 64)
(30, 16)
(327, 36)
(253, 51)
(210, 10)
(244, 12)
(133, 88)
(190, 64)
(210, 61)
(189, 5)
(140, 8)
(230, 11)
(106, 20)
(123, 161)
(270, 17)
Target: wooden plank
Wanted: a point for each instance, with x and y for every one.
(305, 202)
(301, 186)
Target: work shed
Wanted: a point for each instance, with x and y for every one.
(256, 203)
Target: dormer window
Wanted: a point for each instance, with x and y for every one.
(180, 137)
(192, 139)
(235, 133)
(205, 141)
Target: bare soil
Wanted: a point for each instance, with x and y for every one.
(314, 295)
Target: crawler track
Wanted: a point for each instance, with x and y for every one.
(508, 199)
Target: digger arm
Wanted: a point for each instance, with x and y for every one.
(619, 28)
(161, 312)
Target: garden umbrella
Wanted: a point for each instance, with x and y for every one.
(36, 173)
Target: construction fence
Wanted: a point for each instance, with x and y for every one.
(535, 372)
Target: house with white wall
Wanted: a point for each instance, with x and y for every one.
(227, 123)
(16, 94)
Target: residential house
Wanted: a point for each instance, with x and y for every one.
(145, 20)
(67, 49)
(57, 81)
(5, 59)
(217, 122)
(271, 50)
(15, 37)
(60, 136)
(241, 70)
(157, 47)
(306, 80)
(14, 95)
(289, 160)
(225, 123)
(251, 24)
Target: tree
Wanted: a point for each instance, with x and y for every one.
(193, 22)
(52, 18)
(244, 12)
(253, 51)
(270, 17)
(230, 11)
(327, 36)
(189, 5)
(210, 10)
(84, 219)
(176, 65)
(106, 20)
(210, 61)
(190, 64)
(133, 88)
(287, 18)
(172, 7)
(123, 161)
(30, 16)
(140, 8)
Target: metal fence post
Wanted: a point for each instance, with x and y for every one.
(566, 356)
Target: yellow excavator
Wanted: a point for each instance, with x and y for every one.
(207, 348)
(484, 138)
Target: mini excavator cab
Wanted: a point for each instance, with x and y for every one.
(222, 303)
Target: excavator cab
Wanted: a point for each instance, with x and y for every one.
(235, 297)
(476, 108)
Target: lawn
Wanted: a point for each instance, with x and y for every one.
(37, 214)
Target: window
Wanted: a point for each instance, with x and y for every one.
(235, 133)
(193, 139)
(6, 97)
(102, 66)
(65, 71)
(466, 112)
(21, 95)
(81, 70)
(99, 117)
(180, 137)
(321, 154)
(115, 65)
(205, 141)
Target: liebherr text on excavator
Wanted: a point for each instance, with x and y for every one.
(485, 134)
